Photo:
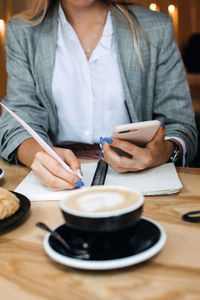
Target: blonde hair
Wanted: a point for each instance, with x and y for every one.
(36, 13)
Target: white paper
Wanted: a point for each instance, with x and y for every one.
(161, 180)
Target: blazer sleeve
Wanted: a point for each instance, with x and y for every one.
(172, 95)
(21, 96)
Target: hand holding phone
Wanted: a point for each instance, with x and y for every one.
(139, 133)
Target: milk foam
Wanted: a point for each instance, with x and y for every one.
(97, 201)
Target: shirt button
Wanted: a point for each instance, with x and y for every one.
(87, 132)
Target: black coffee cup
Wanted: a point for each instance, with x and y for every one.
(102, 208)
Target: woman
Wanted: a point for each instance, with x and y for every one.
(78, 68)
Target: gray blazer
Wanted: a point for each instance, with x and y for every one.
(159, 92)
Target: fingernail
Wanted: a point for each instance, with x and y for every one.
(101, 141)
(108, 140)
(79, 183)
(163, 124)
(101, 154)
(79, 173)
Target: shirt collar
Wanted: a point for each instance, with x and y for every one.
(106, 39)
(108, 28)
(63, 20)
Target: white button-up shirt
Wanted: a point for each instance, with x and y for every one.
(88, 95)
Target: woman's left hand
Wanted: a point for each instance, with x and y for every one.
(155, 153)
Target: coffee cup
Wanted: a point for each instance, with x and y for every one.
(102, 208)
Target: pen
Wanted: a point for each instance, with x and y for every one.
(40, 141)
(100, 173)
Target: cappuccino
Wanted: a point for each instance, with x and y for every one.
(101, 200)
(102, 208)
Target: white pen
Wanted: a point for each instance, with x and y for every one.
(42, 143)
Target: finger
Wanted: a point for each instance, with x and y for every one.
(123, 164)
(141, 157)
(111, 157)
(125, 146)
(56, 169)
(69, 157)
(160, 135)
(117, 162)
(49, 180)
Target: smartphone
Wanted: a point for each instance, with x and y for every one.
(139, 133)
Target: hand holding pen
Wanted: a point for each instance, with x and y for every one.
(56, 168)
(47, 170)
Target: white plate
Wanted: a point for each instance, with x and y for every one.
(111, 263)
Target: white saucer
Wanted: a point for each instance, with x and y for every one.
(116, 263)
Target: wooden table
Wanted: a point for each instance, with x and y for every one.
(27, 273)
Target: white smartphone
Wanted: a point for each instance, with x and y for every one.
(139, 133)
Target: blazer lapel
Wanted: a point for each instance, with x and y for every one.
(45, 59)
(128, 61)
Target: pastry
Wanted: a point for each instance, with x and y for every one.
(9, 204)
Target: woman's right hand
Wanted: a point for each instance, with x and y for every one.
(48, 171)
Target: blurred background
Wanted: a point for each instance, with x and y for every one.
(186, 20)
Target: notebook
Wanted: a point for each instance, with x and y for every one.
(162, 180)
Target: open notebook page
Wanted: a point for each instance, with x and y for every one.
(161, 180)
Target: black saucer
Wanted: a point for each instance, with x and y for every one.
(133, 245)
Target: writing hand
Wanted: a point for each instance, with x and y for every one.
(48, 171)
